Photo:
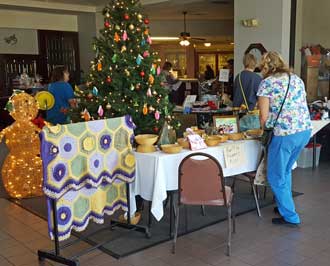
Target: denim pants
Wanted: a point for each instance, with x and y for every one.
(283, 152)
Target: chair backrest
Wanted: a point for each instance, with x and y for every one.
(201, 180)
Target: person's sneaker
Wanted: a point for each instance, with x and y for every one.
(281, 221)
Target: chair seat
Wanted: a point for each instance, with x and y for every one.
(216, 202)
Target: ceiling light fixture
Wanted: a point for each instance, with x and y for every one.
(184, 43)
(207, 44)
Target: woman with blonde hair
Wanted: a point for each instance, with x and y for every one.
(246, 84)
(283, 107)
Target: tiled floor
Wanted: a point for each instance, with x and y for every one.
(256, 242)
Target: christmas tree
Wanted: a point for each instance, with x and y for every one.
(125, 76)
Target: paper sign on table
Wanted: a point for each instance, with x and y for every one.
(234, 155)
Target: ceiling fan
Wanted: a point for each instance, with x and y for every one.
(185, 36)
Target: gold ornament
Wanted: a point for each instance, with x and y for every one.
(108, 106)
(127, 73)
(123, 48)
(22, 168)
(139, 16)
(131, 27)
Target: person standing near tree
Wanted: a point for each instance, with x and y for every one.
(63, 94)
(283, 106)
(209, 73)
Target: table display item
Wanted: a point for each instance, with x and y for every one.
(146, 143)
(45, 100)
(236, 136)
(226, 124)
(22, 168)
(171, 148)
(254, 133)
(184, 143)
(223, 138)
(212, 141)
(196, 141)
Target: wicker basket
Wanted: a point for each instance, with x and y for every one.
(236, 136)
(171, 148)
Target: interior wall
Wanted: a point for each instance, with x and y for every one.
(273, 30)
(27, 41)
(38, 20)
(316, 26)
(87, 32)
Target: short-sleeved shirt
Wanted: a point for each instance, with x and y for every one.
(250, 84)
(62, 92)
(295, 115)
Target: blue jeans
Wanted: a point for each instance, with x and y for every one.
(283, 152)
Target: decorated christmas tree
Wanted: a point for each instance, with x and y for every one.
(125, 76)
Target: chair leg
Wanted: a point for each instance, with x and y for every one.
(233, 184)
(186, 218)
(265, 192)
(229, 231)
(176, 226)
(256, 200)
(234, 222)
(203, 210)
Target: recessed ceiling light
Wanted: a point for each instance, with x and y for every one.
(207, 44)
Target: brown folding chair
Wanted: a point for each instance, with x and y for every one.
(201, 182)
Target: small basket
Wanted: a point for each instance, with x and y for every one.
(236, 136)
(184, 143)
(212, 141)
(171, 148)
(146, 139)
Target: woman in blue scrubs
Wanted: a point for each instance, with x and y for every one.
(291, 132)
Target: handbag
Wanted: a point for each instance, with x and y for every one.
(250, 120)
(268, 133)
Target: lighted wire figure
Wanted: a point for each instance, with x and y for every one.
(22, 168)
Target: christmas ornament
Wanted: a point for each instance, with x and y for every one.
(146, 31)
(156, 129)
(108, 80)
(139, 59)
(123, 49)
(145, 110)
(142, 74)
(146, 54)
(151, 79)
(87, 116)
(131, 27)
(138, 86)
(135, 104)
(22, 167)
(146, 21)
(99, 66)
(138, 29)
(126, 16)
(157, 115)
(158, 70)
(127, 73)
(100, 111)
(108, 106)
(151, 109)
(132, 87)
(149, 94)
(139, 16)
(107, 24)
(89, 96)
(153, 70)
(124, 37)
(149, 40)
(143, 42)
(95, 91)
(117, 27)
(114, 58)
(107, 14)
(116, 37)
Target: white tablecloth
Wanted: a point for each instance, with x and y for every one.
(157, 173)
(318, 125)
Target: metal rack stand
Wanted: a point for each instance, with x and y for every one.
(55, 254)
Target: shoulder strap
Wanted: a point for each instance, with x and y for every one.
(286, 94)
(242, 90)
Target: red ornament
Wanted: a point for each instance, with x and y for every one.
(126, 17)
(107, 24)
(142, 74)
(108, 80)
(156, 129)
(146, 21)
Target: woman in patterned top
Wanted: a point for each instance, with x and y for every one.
(291, 132)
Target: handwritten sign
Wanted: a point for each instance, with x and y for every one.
(224, 75)
(234, 155)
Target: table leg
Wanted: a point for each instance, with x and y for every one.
(314, 151)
